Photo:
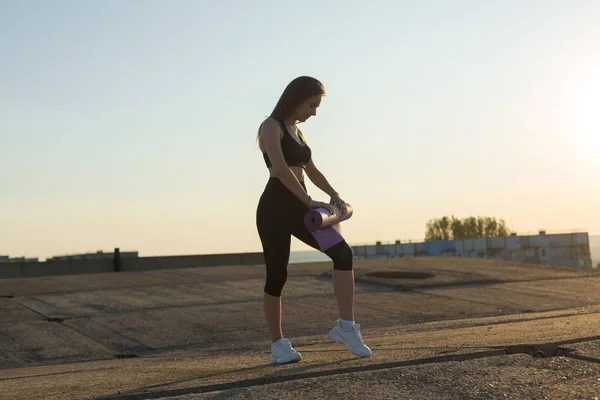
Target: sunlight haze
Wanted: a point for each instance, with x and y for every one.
(133, 124)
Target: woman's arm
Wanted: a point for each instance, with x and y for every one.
(321, 182)
(319, 179)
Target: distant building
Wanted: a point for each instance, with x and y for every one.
(93, 256)
(561, 249)
(7, 259)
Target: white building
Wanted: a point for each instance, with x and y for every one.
(561, 249)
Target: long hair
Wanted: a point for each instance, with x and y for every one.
(296, 92)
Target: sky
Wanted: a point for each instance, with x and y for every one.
(133, 124)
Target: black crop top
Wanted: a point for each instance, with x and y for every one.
(295, 154)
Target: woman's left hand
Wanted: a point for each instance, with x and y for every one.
(335, 199)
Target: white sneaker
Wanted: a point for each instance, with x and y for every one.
(351, 338)
(282, 352)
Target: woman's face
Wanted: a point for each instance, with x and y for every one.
(308, 108)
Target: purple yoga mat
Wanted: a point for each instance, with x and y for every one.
(325, 227)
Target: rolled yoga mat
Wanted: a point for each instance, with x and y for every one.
(325, 227)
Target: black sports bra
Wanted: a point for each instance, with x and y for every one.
(295, 154)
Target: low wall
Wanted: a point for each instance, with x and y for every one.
(75, 267)
(203, 260)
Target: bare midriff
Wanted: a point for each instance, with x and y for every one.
(298, 171)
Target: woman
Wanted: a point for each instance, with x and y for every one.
(281, 210)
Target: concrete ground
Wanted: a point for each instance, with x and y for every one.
(439, 328)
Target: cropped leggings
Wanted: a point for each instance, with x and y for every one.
(279, 215)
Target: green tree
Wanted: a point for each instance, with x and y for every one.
(439, 229)
(471, 227)
(458, 229)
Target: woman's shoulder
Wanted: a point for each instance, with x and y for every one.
(270, 124)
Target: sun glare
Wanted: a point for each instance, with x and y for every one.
(585, 116)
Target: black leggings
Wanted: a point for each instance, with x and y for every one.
(280, 214)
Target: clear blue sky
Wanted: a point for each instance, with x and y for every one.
(131, 124)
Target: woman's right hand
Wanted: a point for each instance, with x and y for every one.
(312, 204)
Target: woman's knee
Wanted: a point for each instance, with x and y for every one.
(276, 279)
(342, 256)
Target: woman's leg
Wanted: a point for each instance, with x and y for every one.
(342, 275)
(343, 286)
(272, 220)
(345, 331)
(272, 309)
(276, 248)
(343, 279)
(275, 236)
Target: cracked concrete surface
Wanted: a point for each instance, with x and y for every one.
(470, 329)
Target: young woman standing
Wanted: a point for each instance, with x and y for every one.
(281, 210)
